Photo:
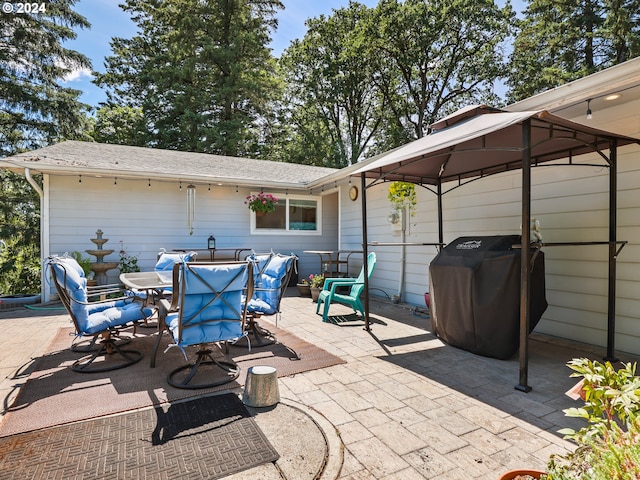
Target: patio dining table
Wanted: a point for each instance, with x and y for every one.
(147, 280)
(151, 283)
(331, 260)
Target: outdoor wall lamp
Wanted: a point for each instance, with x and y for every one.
(589, 114)
(211, 242)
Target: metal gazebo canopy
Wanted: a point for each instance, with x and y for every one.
(478, 141)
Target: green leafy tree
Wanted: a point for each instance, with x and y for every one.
(435, 57)
(200, 70)
(120, 125)
(20, 234)
(329, 77)
(35, 108)
(376, 78)
(571, 39)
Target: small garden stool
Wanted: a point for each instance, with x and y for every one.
(261, 387)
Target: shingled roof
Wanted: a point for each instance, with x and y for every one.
(91, 158)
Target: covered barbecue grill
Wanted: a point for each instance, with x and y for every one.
(475, 294)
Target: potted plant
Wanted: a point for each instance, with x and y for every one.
(401, 194)
(608, 447)
(85, 264)
(304, 289)
(128, 263)
(316, 281)
(522, 475)
(261, 202)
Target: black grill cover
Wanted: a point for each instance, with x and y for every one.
(475, 294)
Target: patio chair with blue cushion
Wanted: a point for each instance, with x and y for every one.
(206, 309)
(270, 282)
(329, 293)
(99, 318)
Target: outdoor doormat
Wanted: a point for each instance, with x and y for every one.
(207, 437)
(55, 395)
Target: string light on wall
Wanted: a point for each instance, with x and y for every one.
(115, 182)
(589, 113)
(79, 178)
(149, 183)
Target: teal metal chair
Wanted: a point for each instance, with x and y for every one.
(329, 293)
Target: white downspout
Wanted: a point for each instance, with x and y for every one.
(44, 292)
(403, 230)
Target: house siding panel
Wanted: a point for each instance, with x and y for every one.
(143, 220)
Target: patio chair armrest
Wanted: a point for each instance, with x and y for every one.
(335, 285)
(102, 290)
(164, 307)
(261, 289)
(328, 282)
(101, 301)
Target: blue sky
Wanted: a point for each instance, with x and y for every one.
(108, 20)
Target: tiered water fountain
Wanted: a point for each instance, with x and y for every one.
(100, 267)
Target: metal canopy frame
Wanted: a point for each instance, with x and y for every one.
(560, 140)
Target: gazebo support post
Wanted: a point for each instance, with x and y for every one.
(365, 252)
(613, 227)
(525, 260)
(440, 226)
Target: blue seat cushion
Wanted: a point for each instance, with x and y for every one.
(259, 305)
(116, 315)
(219, 330)
(266, 296)
(168, 259)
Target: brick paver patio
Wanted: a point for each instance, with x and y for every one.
(405, 404)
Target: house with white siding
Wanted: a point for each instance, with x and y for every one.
(138, 198)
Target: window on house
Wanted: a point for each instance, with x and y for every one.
(300, 215)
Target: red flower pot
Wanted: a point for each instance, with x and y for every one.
(513, 474)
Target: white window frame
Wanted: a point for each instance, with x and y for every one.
(287, 231)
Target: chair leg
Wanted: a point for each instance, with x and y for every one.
(156, 345)
(204, 358)
(325, 312)
(262, 336)
(111, 351)
(87, 346)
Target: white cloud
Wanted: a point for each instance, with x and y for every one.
(77, 75)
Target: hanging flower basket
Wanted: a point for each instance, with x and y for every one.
(401, 194)
(261, 202)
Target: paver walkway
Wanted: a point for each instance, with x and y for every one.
(406, 405)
